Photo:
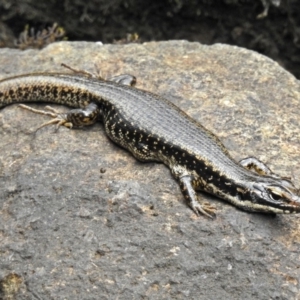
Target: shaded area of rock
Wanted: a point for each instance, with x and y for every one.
(235, 22)
(68, 230)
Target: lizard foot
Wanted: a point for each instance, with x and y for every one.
(206, 209)
(58, 118)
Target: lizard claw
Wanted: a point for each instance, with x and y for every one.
(205, 209)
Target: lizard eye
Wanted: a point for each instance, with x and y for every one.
(275, 196)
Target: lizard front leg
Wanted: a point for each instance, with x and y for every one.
(255, 165)
(187, 186)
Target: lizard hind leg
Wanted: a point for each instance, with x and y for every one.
(73, 118)
(124, 79)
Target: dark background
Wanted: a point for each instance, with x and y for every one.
(234, 22)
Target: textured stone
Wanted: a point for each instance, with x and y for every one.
(70, 231)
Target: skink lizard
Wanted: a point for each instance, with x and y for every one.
(154, 129)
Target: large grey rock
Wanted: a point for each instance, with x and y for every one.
(69, 231)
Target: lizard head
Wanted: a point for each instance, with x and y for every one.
(277, 195)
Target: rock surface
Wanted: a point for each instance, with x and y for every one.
(69, 230)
